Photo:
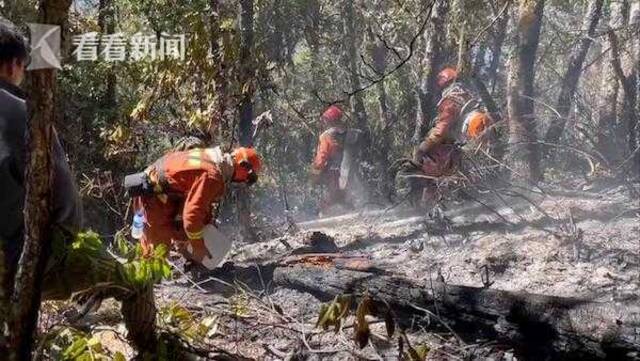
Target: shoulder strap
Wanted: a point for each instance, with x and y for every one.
(216, 157)
(337, 134)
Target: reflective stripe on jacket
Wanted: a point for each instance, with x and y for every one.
(200, 177)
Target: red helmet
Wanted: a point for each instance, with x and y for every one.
(332, 114)
(446, 76)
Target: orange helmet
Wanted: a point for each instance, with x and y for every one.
(446, 76)
(247, 165)
(332, 114)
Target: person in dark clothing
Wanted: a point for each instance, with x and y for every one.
(69, 270)
(66, 212)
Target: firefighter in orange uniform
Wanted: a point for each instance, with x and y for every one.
(460, 118)
(185, 187)
(327, 162)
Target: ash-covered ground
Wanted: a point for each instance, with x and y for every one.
(564, 243)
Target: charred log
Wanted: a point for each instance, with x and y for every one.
(538, 326)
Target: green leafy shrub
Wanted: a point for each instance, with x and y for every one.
(140, 271)
(69, 344)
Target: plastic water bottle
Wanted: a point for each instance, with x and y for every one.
(137, 226)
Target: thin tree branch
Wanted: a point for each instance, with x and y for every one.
(486, 28)
(399, 65)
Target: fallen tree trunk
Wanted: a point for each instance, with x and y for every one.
(538, 327)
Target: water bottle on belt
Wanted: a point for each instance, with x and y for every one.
(137, 226)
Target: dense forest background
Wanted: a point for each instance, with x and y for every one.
(561, 77)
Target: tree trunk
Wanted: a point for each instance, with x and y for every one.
(460, 10)
(634, 131)
(539, 327)
(479, 61)
(219, 106)
(524, 157)
(499, 34)
(407, 105)
(351, 52)
(426, 93)
(607, 109)
(39, 178)
(247, 73)
(312, 36)
(378, 54)
(75, 270)
(139, 314)
(245, 109)
(573, 72)
(629, 87)
(107, 25)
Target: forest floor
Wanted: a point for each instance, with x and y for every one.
(564, 243)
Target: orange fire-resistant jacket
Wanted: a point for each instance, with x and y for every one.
(459, 118)
(329, 151)
(442, 132)
(200, 177)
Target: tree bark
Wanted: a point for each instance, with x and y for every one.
(499, 34)
(313, 17)
(607, 108)
(460, 10)
(378, 54)
(426, 93)
(479, 61)
(537, 326)
(572, 73)
(107, 25)
(634, 132)
(219, 106)
(247, 73)
(139, 314)
(99, 275)
(628, 116)
(351, 52)
(245, 109)
(524, 157)
(25, 301)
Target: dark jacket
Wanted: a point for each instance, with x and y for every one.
(66, 211)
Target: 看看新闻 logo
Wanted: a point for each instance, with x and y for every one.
(45, 46)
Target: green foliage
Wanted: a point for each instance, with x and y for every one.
(407, 352)
(124, 248)
(88, 243)
(141, 271)
(69, 344)
(335, 313)
(183, 322)
(419, 353)
(137, 271)
(85, 251)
